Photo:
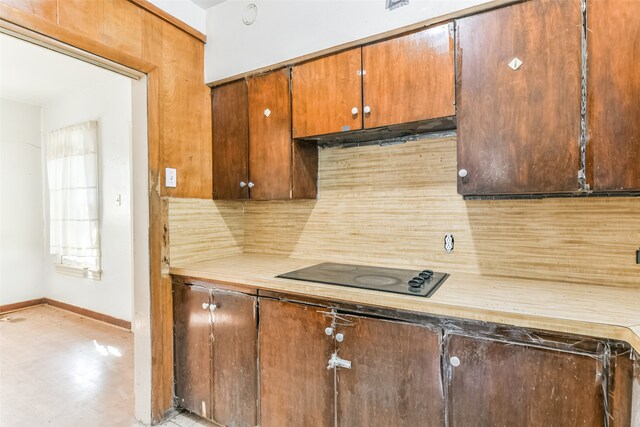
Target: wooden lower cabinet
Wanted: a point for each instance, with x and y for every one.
(192, 348)
(394, 377)
(416, 372)
(296, 388)
(215, 337)
(499, 383)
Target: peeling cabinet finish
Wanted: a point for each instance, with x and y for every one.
(295, 385)
(500, 383)
(192, 348)
(394, 377)
(325, 363)
(215, 336)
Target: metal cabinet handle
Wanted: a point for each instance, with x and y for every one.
(205, 305)
(339, 337)
(328, 330)
(462, 173)
(243, 184)
(251, 184)
(213, 308)
(354, 110)
(367, 109)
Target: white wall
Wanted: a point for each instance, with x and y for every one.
(286, 29)
(186, 11)
(110, 104)
(21, 219)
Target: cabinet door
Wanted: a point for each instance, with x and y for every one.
(192, 348)
(325, 92)
(230, 141)
(395, 376)
(270, 136)
(296, 388)
(409, 78)
(519, 129)
(613, 91)
(235, 359)
(506, 384)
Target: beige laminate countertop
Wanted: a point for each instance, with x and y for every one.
(598, 311)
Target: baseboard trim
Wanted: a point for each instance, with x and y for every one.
(8, 308)
(88, 313)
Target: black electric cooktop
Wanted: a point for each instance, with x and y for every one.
(421, 283)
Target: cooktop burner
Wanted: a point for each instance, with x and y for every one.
(411, 282)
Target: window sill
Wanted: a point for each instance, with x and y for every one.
(82, 272)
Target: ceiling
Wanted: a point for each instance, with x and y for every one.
(36, 75)
(206, 4)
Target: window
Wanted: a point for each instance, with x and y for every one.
(74, 210)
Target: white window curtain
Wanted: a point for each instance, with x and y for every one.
(74, 210)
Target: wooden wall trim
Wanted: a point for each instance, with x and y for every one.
(8, 308)
(88, 313)
(161, 83)
(367, 40)
(149, 7)
(50, 30)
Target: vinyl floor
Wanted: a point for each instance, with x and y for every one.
(58, 368)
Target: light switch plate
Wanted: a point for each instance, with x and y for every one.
(172, 178)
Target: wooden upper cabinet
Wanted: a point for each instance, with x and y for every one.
(494, 383)
(230, 141)
(613, 109)
(409, 78)
(270, 135)
(254, 154)
(395, 376)
(326, 93)
(519, 99)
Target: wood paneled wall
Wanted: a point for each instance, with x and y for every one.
(138, 35)
(393, 205)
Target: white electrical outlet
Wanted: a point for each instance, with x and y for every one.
(172, 178)
(448, 243)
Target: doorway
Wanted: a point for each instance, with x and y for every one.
(122, 292)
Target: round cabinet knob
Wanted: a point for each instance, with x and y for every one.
(455, 362)
(339, 337)
(243, 184)
(328, 330)
(462, 173)
(354, 110)
(205, 305)
(366, 109)
(213, 307)
(251, 184)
